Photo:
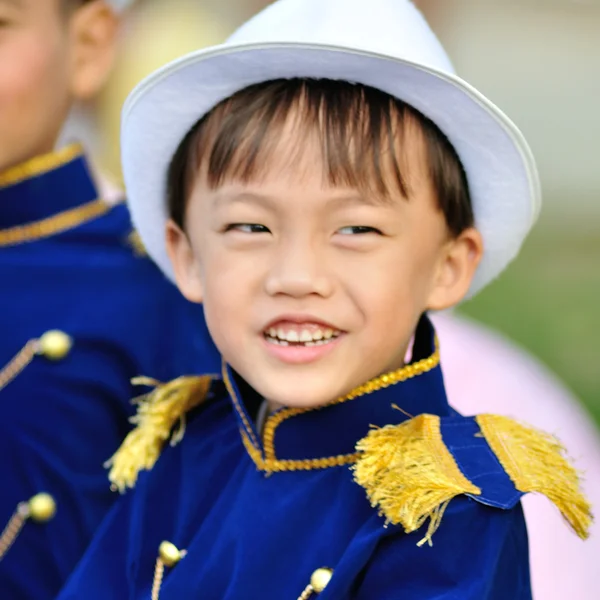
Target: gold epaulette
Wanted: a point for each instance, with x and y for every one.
(158, 412)
(410, 475)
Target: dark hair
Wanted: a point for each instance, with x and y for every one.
(360, 130)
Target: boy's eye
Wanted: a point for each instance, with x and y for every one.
(358, 229)
(247, 228)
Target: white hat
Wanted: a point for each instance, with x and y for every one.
(385, 44)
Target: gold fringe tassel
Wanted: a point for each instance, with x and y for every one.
(157, 414)
(536, 462)
(409, 474)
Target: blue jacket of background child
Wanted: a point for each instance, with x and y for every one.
(81, 313)
(384, 494)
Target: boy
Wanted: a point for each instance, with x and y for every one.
(80, 312)
(324, 180)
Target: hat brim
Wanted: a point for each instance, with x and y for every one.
(500, 168)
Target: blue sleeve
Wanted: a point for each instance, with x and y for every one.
(479, 553)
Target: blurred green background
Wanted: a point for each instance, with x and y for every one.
(547, 301)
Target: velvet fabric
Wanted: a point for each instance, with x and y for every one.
(62, 419)
(253, 534)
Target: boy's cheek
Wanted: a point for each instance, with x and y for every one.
(30, 82)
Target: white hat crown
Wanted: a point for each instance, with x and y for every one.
(394, 28)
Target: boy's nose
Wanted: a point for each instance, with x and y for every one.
(298, 271)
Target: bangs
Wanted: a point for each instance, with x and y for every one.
(355, 129)
(359, 130)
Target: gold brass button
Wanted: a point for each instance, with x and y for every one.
(42, 507)
(170, 554)
(55, 345)
(320, 579)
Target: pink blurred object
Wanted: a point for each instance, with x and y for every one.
(486, 373)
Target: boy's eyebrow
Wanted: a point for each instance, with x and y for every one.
(225, 198)
(359, 200)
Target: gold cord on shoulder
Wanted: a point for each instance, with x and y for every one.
(536, 462)
(19, 362)
(40, 165)
(159, 573)
(41, 508)
(58, 223)
(54, 345)
(13, 528)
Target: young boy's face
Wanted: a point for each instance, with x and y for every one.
(310, 290)
(49, 57)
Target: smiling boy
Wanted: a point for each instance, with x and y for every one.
(80, 312)
(324, 181)
(275, 229)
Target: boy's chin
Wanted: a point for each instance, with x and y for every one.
(300, 394)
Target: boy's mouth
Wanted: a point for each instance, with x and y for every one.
(289, 333)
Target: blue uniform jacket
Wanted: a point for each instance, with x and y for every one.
(67, 263)
(255, 515)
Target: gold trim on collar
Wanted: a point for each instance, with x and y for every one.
(274, 465)
(40, 165)
(58, 223)
(270, 463)
(238, 406)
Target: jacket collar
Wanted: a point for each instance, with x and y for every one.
(45, 186)
(316, 438)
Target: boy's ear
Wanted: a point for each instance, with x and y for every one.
(459, 261)
(185, 264)
(93, 30)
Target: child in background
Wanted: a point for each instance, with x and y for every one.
(325, 180)
(82, 311)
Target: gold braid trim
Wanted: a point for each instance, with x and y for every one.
(58, 223)
(159, 573)
(157, 414)
(13, 528)
(535, 461)
(39, 165)
(19, 362)
(273, 465)
(409, 474)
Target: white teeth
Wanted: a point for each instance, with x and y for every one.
(292, 336)
(306, 336)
